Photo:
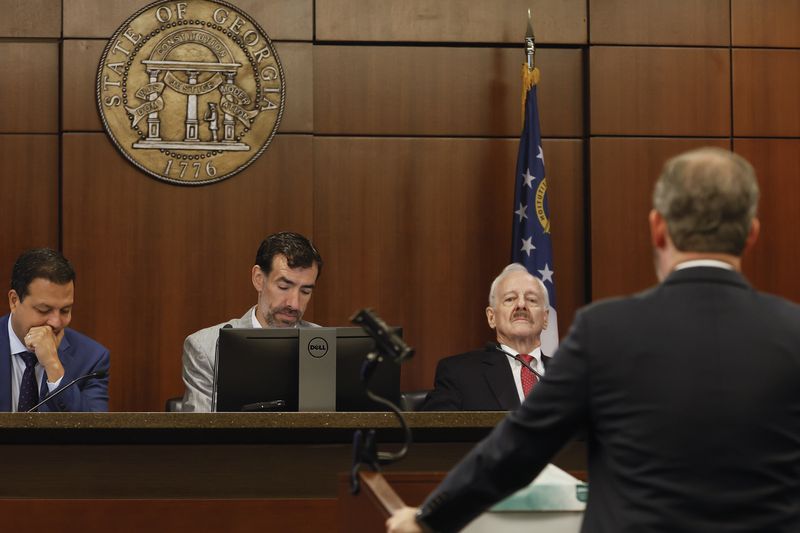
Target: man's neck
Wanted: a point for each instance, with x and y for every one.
(526, 346)
(683, 257)
(667, 261)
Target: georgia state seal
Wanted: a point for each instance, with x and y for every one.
(190, 92)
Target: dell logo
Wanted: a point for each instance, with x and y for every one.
(317, 347)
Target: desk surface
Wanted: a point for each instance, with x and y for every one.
(193, 428)
(475, 419)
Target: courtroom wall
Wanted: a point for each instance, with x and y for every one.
(396, 155)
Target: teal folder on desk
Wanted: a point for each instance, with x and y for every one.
(552, 490)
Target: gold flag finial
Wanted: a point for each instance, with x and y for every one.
(530, 74)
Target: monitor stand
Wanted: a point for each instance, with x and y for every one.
(317, 369)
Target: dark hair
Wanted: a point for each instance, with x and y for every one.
(298, 250)
(40, 263)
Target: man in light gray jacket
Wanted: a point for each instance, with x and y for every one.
(285, 274)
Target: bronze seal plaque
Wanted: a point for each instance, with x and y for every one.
(190, 92)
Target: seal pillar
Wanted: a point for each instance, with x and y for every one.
(153, 122)
(228, 123)
(191, 109)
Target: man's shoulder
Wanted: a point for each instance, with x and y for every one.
(465, 358)
(778, 310)
(652, 300)
(208, 331)
(77, 339)
(212, 332)
(616, 304)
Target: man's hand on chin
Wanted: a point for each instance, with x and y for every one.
(44, 343)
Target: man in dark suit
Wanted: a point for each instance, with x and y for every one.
(689, 392)
(38, 353)
(495, 378)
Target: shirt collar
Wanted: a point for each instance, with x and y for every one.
(13, 341)
(703, 263)
(536, 353)
(256, 323)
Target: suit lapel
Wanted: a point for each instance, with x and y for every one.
(501, 380)
(5, 366)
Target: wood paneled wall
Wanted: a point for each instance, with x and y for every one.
(396, 156)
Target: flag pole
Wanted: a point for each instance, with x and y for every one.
(531, 244)
(530, 44)
(530, 74)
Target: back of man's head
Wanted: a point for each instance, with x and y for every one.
(708, 198)
(298, 250)
(40, 263)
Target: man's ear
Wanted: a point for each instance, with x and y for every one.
(752, 235)
(13, 299)
(490, 317)
(658, 230)
(258, 278)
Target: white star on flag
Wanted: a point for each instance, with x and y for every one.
(528, 177)
(521, 211)
(540, 155)
(527, 245)
(547, 274)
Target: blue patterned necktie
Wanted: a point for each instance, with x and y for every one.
(28, 388)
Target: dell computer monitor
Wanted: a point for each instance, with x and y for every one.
(258, 366)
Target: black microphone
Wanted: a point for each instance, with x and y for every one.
(90, 375)
(272, 405)
(495, 347)
(216, 361)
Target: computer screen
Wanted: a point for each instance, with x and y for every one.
(263, 365)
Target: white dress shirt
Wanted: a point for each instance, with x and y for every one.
(516, 366)
(704, 263)
(18, 368)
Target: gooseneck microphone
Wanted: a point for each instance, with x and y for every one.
(91, 375)
(495, 347)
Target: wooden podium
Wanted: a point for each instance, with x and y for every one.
(205, 471)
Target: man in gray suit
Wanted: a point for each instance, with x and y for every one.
(285, 274)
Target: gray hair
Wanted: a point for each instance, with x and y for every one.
(515, 267)
(708, 198)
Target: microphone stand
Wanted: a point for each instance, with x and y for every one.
(365, 449)
(97, 374)
(496, 348)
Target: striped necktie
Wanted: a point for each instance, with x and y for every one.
(28, 388)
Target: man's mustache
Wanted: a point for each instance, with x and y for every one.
(287, 311)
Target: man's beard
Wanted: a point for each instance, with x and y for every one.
(274, 323)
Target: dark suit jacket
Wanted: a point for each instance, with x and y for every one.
(690, 394)
(79, 355)
(474, 381)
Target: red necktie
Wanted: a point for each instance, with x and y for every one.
(529, 379)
